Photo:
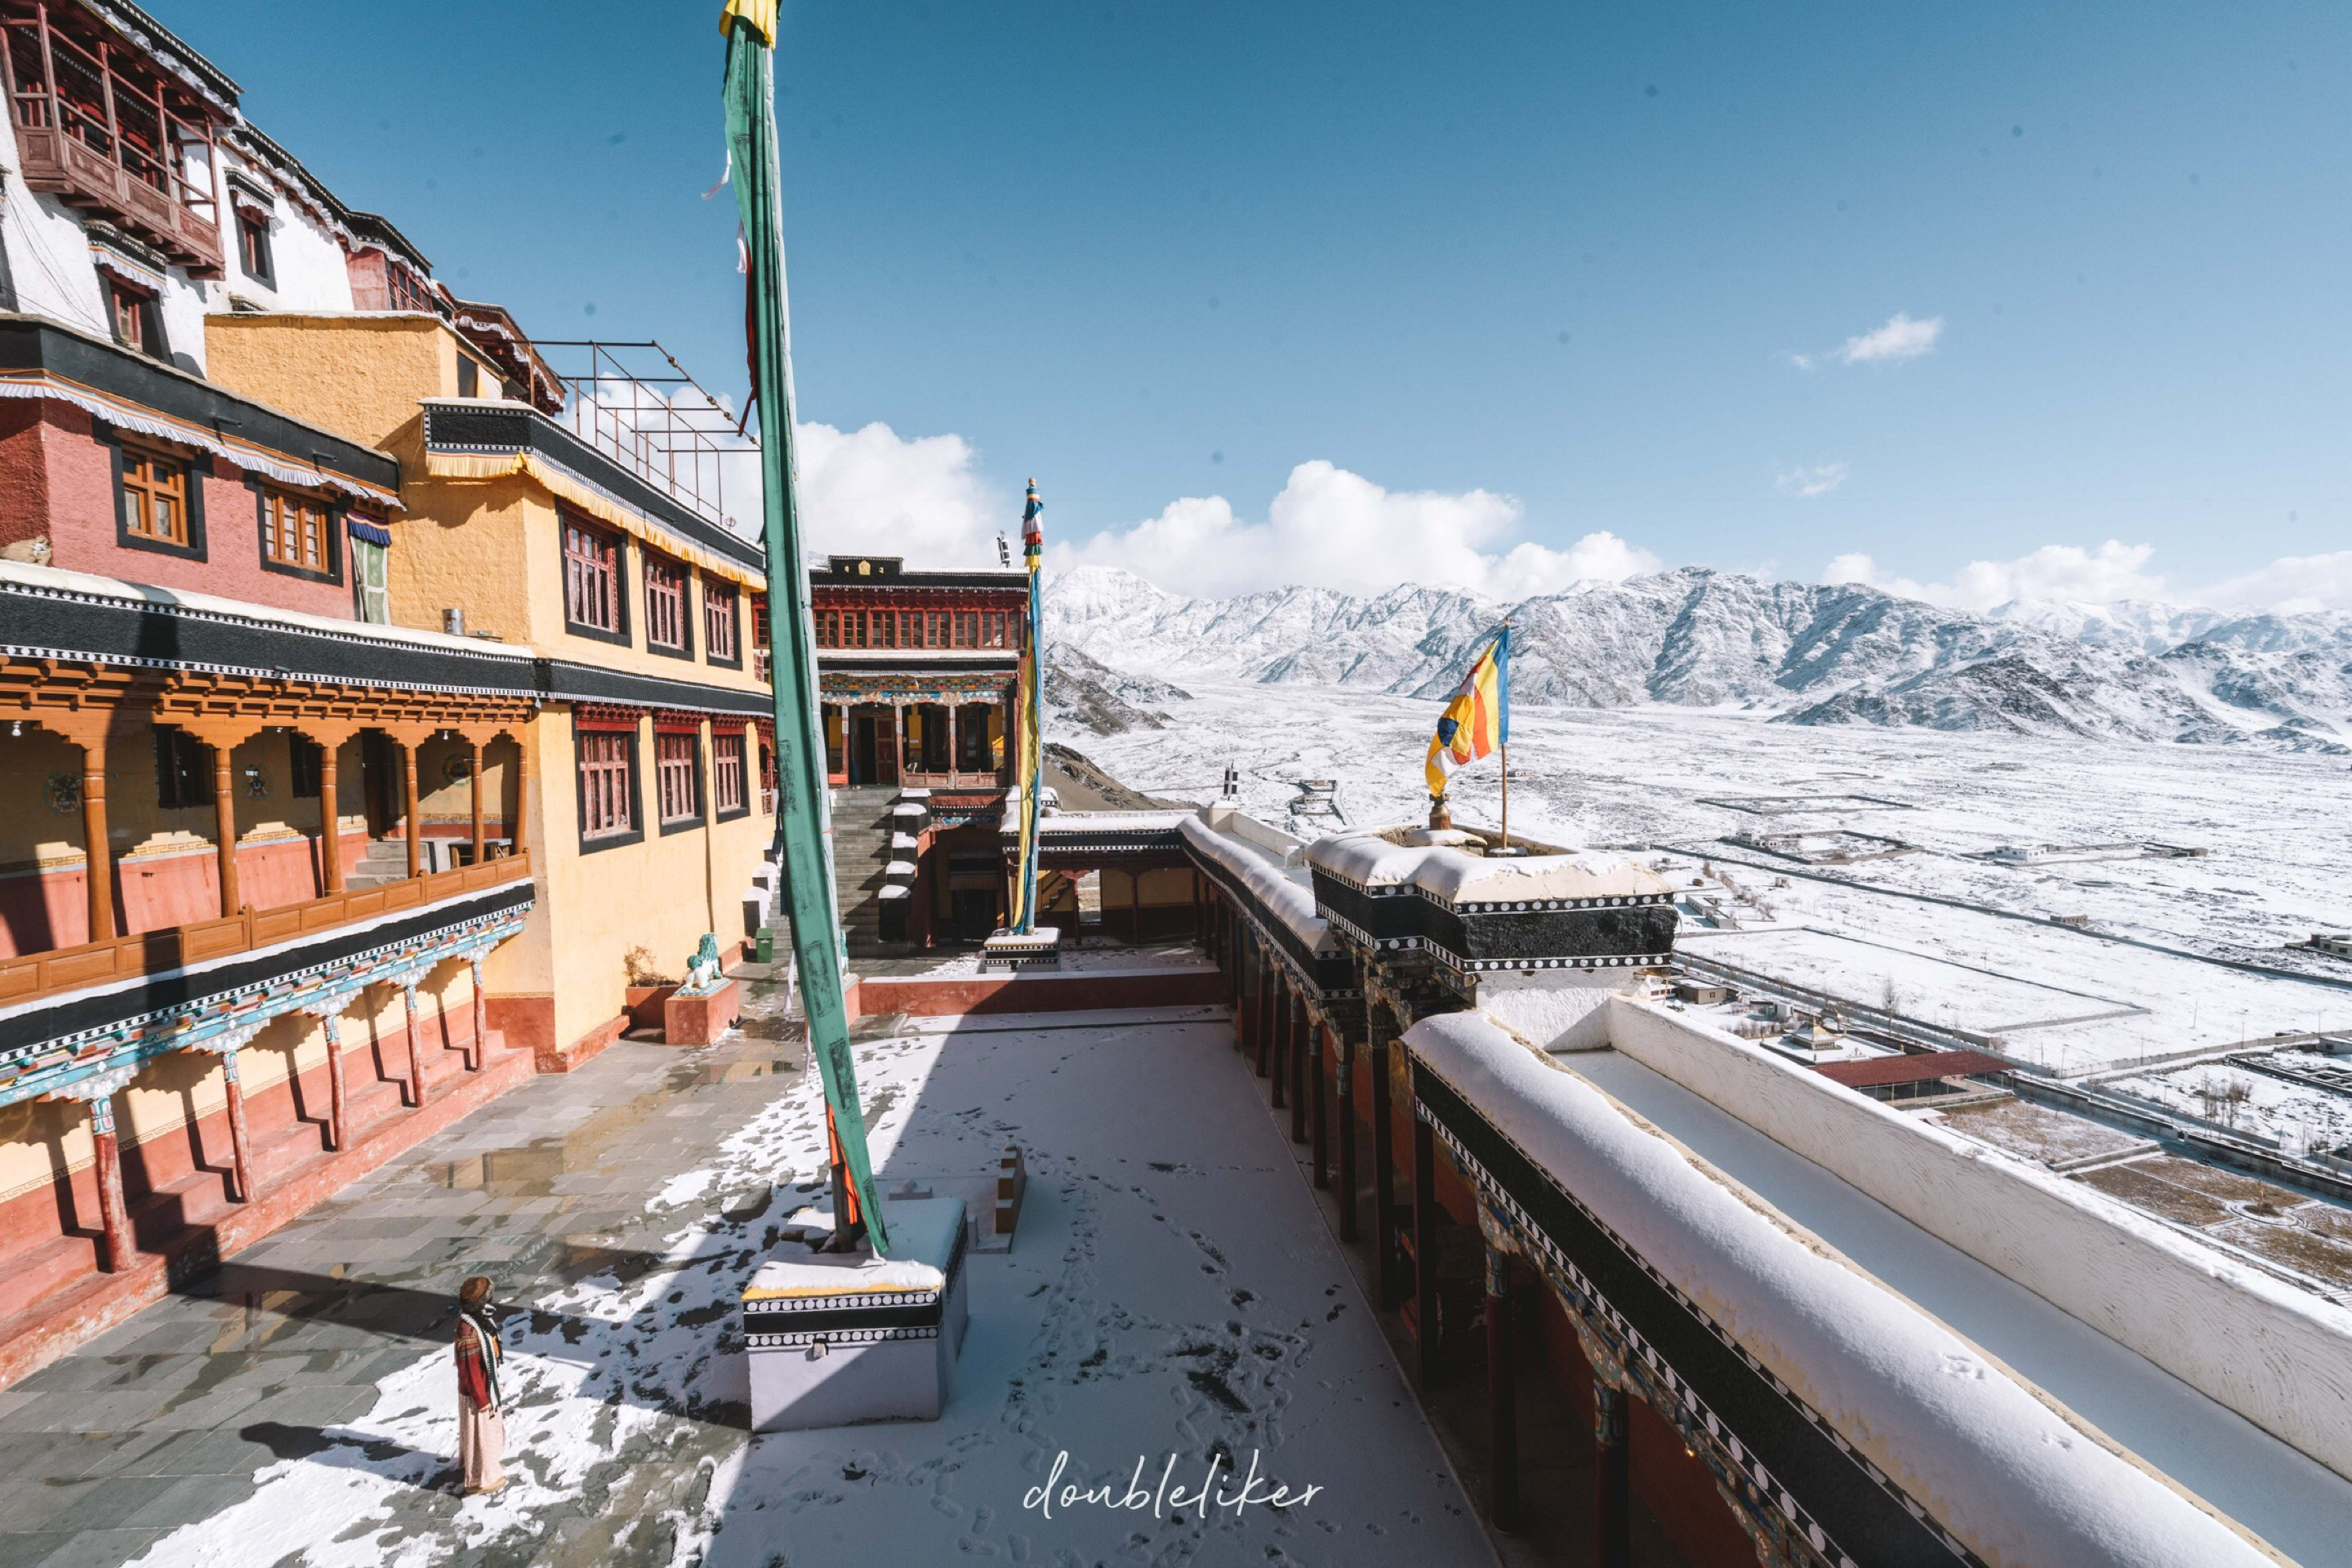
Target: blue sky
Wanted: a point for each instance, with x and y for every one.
(1563, 255)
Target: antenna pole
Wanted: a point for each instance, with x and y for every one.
(1504, 751)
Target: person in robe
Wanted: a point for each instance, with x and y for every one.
(481, 1429)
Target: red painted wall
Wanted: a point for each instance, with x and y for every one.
(79, 506)
(40, 913)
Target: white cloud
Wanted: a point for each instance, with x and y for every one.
(2289, 585)
(873, 489)
(1806, 482)
(2055, 574)
(1333, 529)
(1900, 339)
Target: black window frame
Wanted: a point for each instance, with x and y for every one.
(305, 771)
(636, 789)
(197, 465)
(745, 759)
(184, 771)
(255, 227)
(734, 597)
(650, 562)
(566, 519)
(333, 544)
(701, 813)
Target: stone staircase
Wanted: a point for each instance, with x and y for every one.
(861, 854)
(386, 860)
(874, 838)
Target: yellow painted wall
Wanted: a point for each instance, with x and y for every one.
(493, 548)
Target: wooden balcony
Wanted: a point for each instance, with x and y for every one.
(99, 126)
(44, 974)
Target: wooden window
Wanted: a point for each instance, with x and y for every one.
(469, 376)
(132, 313)
(607, 794)
(592, 579)
(886, 629)
(303, 756)
(664, 604)
(674, 778)
(967, 629)
(718, 623)
(726, 773)
(154, 497)
(184, 771)
(294, 531)
(407, 290)
(853, 628)
(759, 620)
(253, 247)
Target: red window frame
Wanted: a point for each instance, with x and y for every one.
(727, 778)
(664, 604)
(718, 623)
(674, 779)
(608, 796)
(592, 579)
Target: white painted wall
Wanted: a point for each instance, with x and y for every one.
(48, 257)
(307, 259)
(2278, 1356)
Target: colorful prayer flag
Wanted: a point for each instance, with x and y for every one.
(1031, 771)
(1477, 716)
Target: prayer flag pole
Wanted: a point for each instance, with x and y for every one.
(804, 827)
(1032, 711)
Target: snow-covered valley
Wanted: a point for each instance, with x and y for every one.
(1811, 655)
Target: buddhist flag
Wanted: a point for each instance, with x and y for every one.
(1477, 716)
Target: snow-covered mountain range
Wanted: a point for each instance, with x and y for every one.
(1802, 653)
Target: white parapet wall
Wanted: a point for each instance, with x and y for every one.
(2278, 1356)
(2009, 1473)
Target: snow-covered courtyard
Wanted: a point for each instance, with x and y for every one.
(1173, 1293)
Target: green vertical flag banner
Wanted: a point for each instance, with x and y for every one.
(801, 809)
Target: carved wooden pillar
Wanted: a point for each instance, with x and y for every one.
(480, 1052)
(1384, 1217)
(474, 768)
(1347, 1121)
(1300, 1034)
(1425, 1222)
(240, 1138)
(1317, 1069)
(113, 1213)
(329, 1023)
(1502, 1397)
(1270, 976)
(224, 825)
(521, 792)
(98, 862)
(331, 817)
(1613, 1476)
(416, 1047)
(1279, 1036)
(414, 826)
(98, 1094)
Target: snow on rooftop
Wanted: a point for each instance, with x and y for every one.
(1282, 891)
(2015, 1476)
(1403, 853)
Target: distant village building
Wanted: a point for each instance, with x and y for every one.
(377, 724)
